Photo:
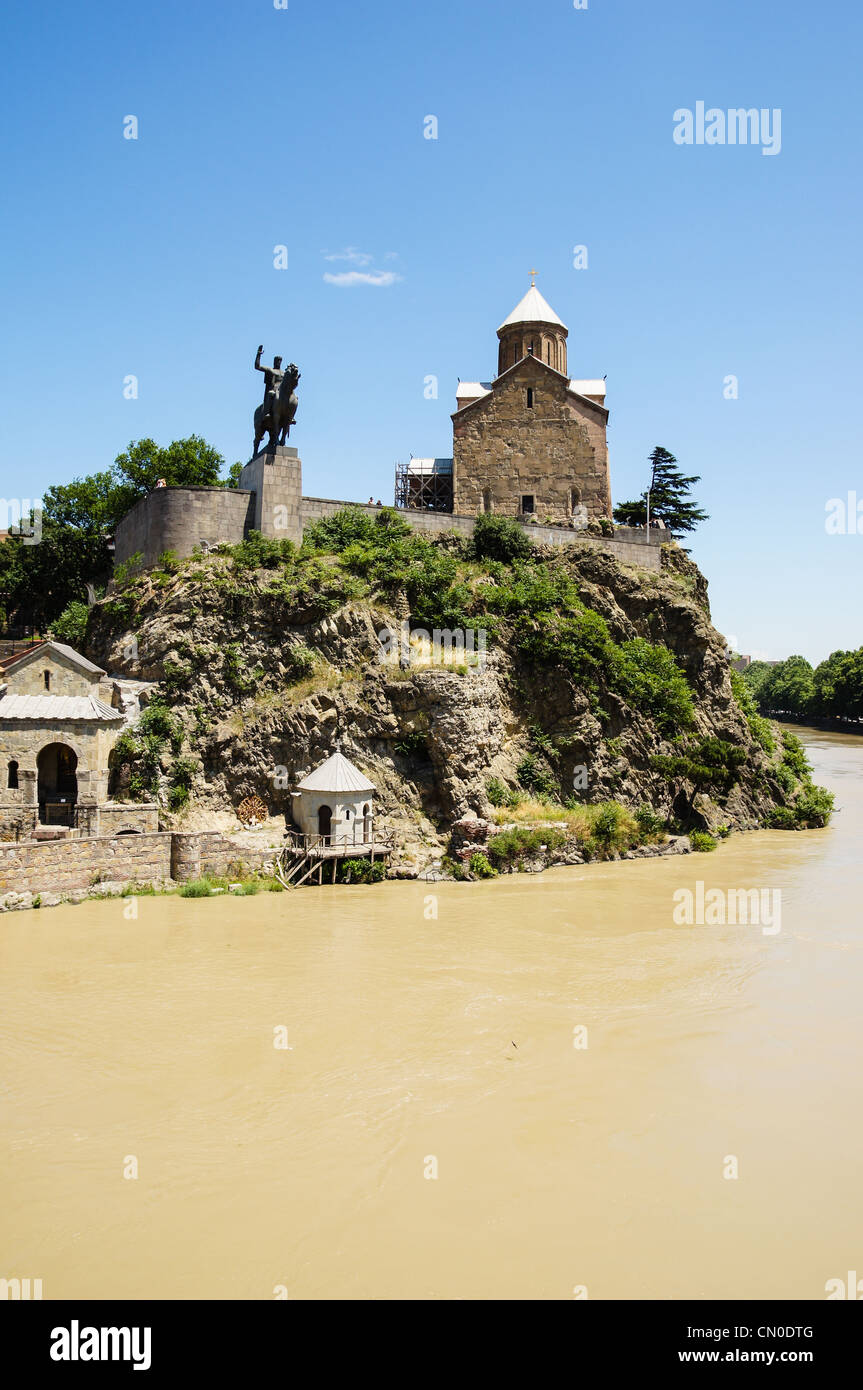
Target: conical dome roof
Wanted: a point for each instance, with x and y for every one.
(337, 774)
(532, 309)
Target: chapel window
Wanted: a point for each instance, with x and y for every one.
(12, 779)
(47, 678)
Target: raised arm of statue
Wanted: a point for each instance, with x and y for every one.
(258, 367)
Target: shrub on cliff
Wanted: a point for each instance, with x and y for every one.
(650, 679)
(510, 847)
(260, 552)
(535, 776)
(814, 807)
(708, 761)
(499, 538)
(333, 534)
(480, 867)
(701, 842)
(759, 727)
(650, 825)
(499, 794)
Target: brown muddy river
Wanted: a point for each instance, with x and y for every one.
(418, 1045)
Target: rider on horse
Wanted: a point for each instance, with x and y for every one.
(272, 382)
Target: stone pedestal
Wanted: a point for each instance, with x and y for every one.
(276, 478)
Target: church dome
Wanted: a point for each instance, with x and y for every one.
(532, 329)
(534, 308)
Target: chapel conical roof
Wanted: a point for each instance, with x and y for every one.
(532, 309)
(337, 774)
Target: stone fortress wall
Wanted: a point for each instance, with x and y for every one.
(179, 518)
(160, 857)
(271, 501)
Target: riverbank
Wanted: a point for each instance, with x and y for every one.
(807, 721)
(247, 883)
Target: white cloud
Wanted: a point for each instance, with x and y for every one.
(350, 254)
(377, 278)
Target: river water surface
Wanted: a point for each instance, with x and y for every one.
(418, 1044)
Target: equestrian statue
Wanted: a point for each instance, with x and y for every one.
(275, 415)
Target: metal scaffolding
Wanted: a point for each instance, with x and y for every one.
(424, 485)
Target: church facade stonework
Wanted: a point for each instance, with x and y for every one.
(531, 447)
(532, 443)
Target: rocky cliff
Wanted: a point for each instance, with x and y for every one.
(589, 685)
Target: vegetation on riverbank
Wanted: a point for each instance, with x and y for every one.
(831, 690)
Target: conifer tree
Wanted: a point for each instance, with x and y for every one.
(669, 497)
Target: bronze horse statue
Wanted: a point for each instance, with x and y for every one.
(276, 415)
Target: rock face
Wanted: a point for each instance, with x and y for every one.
(262, 685)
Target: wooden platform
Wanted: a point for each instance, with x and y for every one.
(305, 855)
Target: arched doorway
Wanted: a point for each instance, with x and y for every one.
(325, 823)
(57, 784)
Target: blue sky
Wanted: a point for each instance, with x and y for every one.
(303, 127)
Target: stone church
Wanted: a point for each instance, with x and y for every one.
(532, 442)
(59, 719)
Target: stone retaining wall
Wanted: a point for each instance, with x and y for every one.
(179, 518)
(628, 546)
(62, 866)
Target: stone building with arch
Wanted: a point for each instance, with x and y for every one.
(57, 729)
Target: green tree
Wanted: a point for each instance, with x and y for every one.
(85, 504)
(755, 675)
(790, 686)
(669, 497)
(839, 685)
(40, 581)
(188, 462)
(71, 626)
(37, 582)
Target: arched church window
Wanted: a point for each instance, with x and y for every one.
(486, 499)
(12, 778)
(47, 678)
(530, 398)
(574, 498)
